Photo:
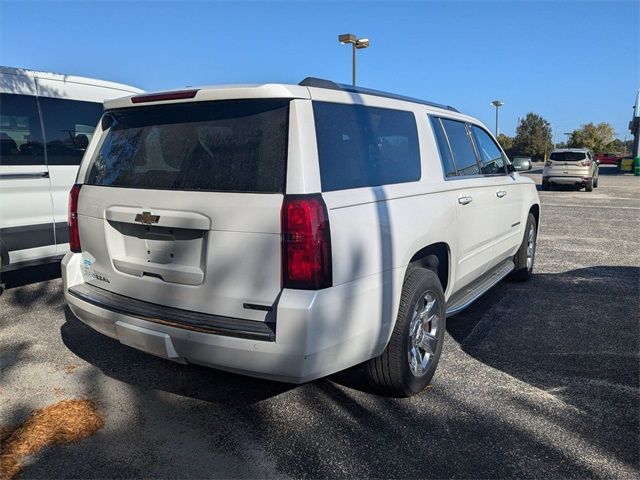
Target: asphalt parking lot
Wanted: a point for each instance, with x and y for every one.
(537, 380)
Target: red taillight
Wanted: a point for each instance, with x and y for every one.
(74, 235)
(585, 163)
(159, 97)
(306, 243)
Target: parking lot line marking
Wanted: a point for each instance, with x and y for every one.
(588, 206)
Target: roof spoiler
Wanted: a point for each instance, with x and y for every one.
(322, 83)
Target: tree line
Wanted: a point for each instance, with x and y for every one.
(534, 138)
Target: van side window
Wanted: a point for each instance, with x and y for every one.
(446, 158)
(20, 132)
(464, 155)
(490, 154)
(362, 146)
(68, 128)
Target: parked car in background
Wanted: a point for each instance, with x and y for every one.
(47, 121)
(609, 158)
(571, 166)
(292, 231)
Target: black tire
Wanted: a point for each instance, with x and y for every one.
(4, 256)
(595, 183)
(545, 185)
(391, 372)
(523, 271)
(588, 186)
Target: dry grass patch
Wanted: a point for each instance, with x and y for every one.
(63, 422)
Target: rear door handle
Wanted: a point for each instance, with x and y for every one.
(18, 175)
(501, 193)
(465, 200)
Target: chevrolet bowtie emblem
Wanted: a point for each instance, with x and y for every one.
(146, 217)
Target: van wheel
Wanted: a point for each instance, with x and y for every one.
(408, 363)
(526, 254)
(588, 186)
(4, 256)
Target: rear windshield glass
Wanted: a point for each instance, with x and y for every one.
(227, 146)
(567, 156)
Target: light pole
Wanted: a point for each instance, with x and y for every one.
(357, 44)
(497, 104)
(546, 142)
(568, 134)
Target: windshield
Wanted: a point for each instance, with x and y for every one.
(567, 156)
(229, 146)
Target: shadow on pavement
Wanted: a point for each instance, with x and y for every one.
(573, 335)
(570, 340)
(148, 372)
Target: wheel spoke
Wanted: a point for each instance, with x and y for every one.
(430, 305)
(422, 340)
(416, 361)
(428, 343)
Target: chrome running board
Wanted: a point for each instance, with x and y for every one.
(469, 294)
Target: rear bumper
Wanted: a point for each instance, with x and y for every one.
(314, 336)
(567, 180)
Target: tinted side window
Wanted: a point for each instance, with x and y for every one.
(463, 154)
(20, 132)
(490, 154)
(446, 158)
(362, 146)
(69, 126)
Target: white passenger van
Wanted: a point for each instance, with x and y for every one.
(292, 231)
(46, 123)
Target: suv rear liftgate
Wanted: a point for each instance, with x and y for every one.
(213, 263)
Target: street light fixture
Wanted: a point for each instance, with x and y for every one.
(357, 44)
(497, 104)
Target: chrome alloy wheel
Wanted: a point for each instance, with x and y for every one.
(423, 329)
(531, 246)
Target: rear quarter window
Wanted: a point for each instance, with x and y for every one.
(361, 146)
(225, 146)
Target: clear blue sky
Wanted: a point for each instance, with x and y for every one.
(572, 62)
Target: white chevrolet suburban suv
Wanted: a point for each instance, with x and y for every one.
(292, 231)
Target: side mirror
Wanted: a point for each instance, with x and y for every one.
(510, 168)
(521, 163)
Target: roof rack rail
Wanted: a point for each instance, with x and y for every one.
(322, 83)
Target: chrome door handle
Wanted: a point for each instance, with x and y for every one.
(501, 193)
(465, 200)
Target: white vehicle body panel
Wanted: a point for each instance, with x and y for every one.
(375, 233)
